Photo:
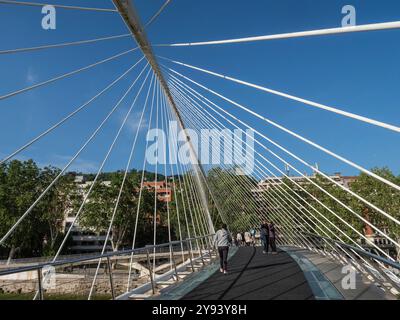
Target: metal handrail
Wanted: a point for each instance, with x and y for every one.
(95, 257)
(368, 254)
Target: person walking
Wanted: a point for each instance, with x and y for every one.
(239, 239)
(247, 238)
(234, 240)
(222, 241)
(272, 237)
(253, 236)
(264, 236)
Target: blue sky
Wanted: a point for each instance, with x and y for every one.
(355, 72)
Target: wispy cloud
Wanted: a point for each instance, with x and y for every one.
(79, 165)
(133, 122)
(60, 161)
(31, 76)
(17, 157)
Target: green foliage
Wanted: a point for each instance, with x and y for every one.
(234, 198)
(185, 210)
(99, 210)
(347, 214)
(382, 196)
(21, 183)
(332, 210)
(42, 230)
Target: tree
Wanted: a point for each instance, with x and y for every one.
(19, 188)
(98, 211)
(233, 192)
(55, 205)
(332, 210)
(382, 196)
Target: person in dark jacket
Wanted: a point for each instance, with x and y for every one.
(272, 237)
(222, 241)
(264, 236)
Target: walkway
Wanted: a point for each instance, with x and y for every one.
(255, 276)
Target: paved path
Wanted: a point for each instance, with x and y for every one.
(332, 270)
(255, 276)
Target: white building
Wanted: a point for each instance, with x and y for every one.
(83, 240)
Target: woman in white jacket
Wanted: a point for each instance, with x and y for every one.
(222, 240)
(247, 238)
(239, 239)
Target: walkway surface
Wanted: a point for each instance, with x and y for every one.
(255, 276)
(364, 289)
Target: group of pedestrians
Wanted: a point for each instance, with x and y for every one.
(243, 239)
(223, 240)
(248, 238)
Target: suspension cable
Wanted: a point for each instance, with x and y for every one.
(64, 44)
(94, 134)
(330, 31)
(111, 147)
(155, 16)
(59, 123)
(36, 4)
(128, 164)
(367, 222)
(65, 75)
(294, 98)
(307, 164)
(307, 241)
(141, 187)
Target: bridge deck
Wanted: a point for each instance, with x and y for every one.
(255, 276)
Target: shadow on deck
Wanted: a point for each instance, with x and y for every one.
(255, 276)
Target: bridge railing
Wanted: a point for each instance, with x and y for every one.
(117, 274)
(382, 270)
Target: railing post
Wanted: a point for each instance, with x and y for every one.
(201, 254)
(39, 273)
(111, 278)
(173, 261)
(214, 249)
(190, 254)
(150, 271)
(209, 247)
(128, 287)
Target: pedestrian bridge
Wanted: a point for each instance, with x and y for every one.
(294, 273)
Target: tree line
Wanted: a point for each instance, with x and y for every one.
(43, 229)
(345, 211)
(41, 232)
(244, 204)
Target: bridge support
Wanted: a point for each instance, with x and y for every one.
(132, 21)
